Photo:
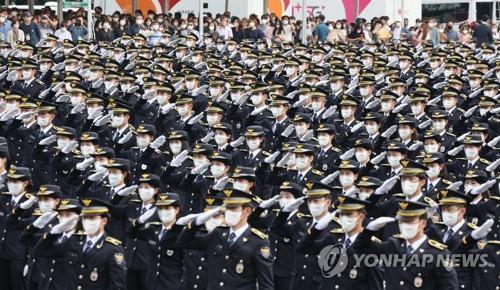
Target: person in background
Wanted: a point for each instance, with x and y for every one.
(320, 32)
(338, 33)
(237, 29)
(5, 24)
(122, 26)
(105, 33)
(138, 25)
(433, 32)
(31, 31)
(15, 34)
(450, 32)
(483, 33)
(266, 27)
(78, 30)
(252, 32)
(223, 30)
(44, 26)
(62, 33)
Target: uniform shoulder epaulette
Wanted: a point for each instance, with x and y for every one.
(303, 215)
(437, 244)
(337, 231)
(134, 148)
(398, 195)
(484, 161)
(472, 226)
(276, 209)
(398, 236)
(40, 82)
(446, 181)
(154, 223)
(80, 233)
(376, 240)
(158, 151)
(461, 110)
(336, 149)
(28, 195)
(497, 198)
(493, 242)
(429, 200)
(317, 172)
(451, 134)
(259, 234)
(461, 158)
(136, 200)
(37, 212)
(113, 241)
(336, 219)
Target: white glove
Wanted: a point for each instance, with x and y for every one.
(288, 131)
(202, 218)
(307, 136)
(493, 166)
(243, 98)
(223, 97)
(179, 159)
(414, 146)
(272, 157)
(483, 187)
(482, 231)
(81, 166)
(399, 108)
(348, 154)
(219, 185)
(324, 222)
(96, 176)
(200, 169)
(387, 185)
(455, 150)
(495, 110)
(476, 93)
(494, 142)
(330, 178)
(132, 89)
(65, 226)
(95, 114)
(434, 101)
(208, 137)
(125, 138)
(149, 95)
(44, 219)
(238, 142)
(98, 83)
(44, 93)
(461, 138)
(284, 160)
(377, 159)
(8, 115)
(292, 94)
(146, 215)
(424, 124)
(57, 87)
(25, 115)
(294, 205)
(269, 202)
(28, 203)
(329, 112)
(352, 192)
(195, 119)
(77, 109)
(373, 104)
(391, 130)
(299, 103)
(455, 185)
(277, 67)
(187, 219)
(102, 120)
(49, 140)
(69, 147)
(158, 142)
(12, 76)
(63, 99)
(432, 208)
(199, 90)
(470, 111)
(379, 223)
(57, 67)
(257, 111)
(356, 127)
(127, 190)
(167, 108)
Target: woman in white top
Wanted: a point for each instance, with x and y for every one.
(15, 34)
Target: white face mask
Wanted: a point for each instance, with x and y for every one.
(276, 111)
(416, 109)
(392, 58)
(183, 111)
(335, 87)
(447, 73)
(15, 188)
(75, 101)
(161, 99)
(124, 87)
(198, 162)
(220, 139)
(61, 143)
(362, 156)
(434, 148)
(316, 106)
(240, 186)
(300, 130)
(190, 85)
(142, 142)
(212, 120)
(175, 148)
(394, 161)
(449, 218)
(214, 91)
(408, 231)
(439, 125)
(301, 163)
(117, 121)
(346, 180)
(483, 112)
(232, 217)
(26, 74)
(448, 104)
(468, 187)
(316, 209)
(353, 72)
(347, 223)
(146, 194)
(385, 107)
(363, 195)
(474, 83)
(11, 106)
(489, 93)
(371, 129)
(166, 215)
(433, 172)
(91, 226)
(289, 71)
(217, 170)
(419, 81)
(256, 99)
(87, 150)
(108, 85)
(471, 153)
(46, 206)
(92, 76)
(100, 166)
(364, 92)
(253, 144)
(409, 187)
(404, 133)
(316, 58)
(115, 179)
(323, 140)
(212, 223)
(346, 113)
(285, 201)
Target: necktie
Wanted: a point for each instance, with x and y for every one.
(393, 173)
(232, 238)
(469, 165)
(348, 243)
(409, 249)
(299, 177)
(64, 238)
(275, 126)
(143, 210)
(430, 187)
(448, 235)
(88, 246)
(115, 137)
(162, 233)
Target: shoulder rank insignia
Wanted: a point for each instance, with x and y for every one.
(397, 236)
(472, 226)
(113, 241)
(376, 240)
(484, 161)
(337, 231)
(259, 233)
(493, 242)
(317, 172)
(437, 244)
